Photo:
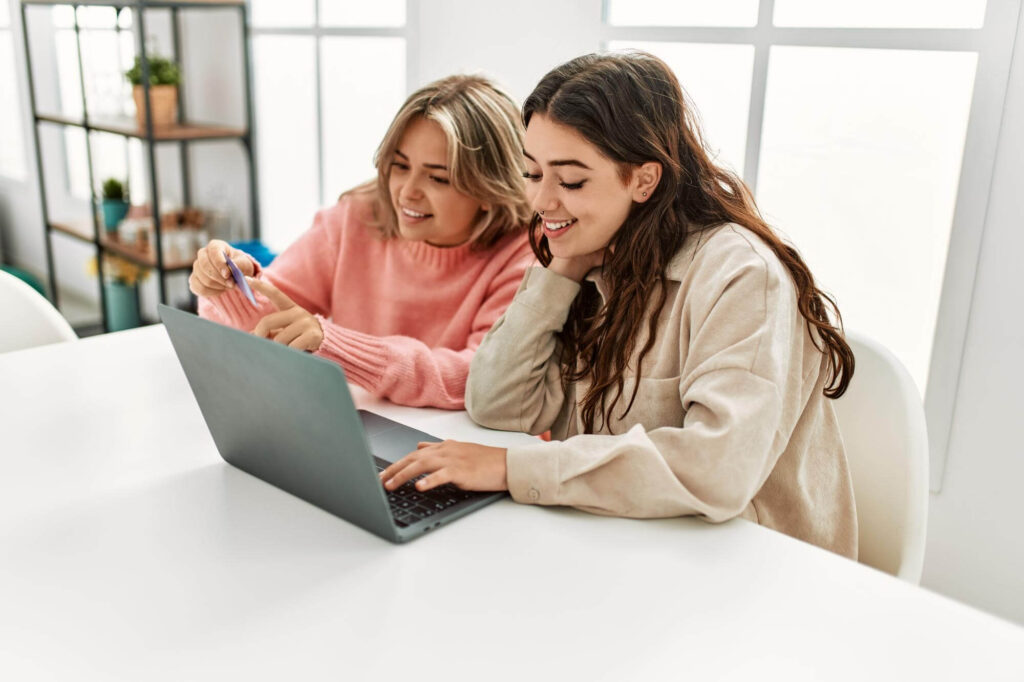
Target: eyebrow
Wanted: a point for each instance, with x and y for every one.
(560, 162)
(433, 166)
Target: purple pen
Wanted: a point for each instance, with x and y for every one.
(240, 280)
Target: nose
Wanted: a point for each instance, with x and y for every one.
(412, 188)
(544, 199)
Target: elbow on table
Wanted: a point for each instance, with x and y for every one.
(726, 504)
(488, 412)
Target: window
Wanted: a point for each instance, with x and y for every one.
(12, 140)
(328, 78)
(866, 130)
(107, 49)
(860, 160)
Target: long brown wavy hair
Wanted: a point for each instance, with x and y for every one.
(632, 108)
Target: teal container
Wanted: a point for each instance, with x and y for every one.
(25, 277)
(122, 306)
(114, 211)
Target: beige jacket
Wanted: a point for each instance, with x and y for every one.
(729, 419)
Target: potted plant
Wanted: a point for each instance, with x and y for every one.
(114, 203)
(164, 79)
(121, 290)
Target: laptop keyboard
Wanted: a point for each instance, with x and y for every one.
(409, 505)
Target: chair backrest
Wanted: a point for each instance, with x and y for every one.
(881, 418)
(28, 319)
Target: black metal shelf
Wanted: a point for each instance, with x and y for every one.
(183, 133)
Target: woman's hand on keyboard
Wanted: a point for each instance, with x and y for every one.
(466, 465)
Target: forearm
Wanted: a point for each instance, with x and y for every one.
(712, 465)
(401, 369)
(515, 378)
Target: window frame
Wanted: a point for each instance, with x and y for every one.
(318, 33)
(993, 42)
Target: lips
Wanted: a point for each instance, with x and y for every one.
(556, 228)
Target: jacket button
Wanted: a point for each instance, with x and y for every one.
(534, 494)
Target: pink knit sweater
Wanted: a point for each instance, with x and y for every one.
(402, 318)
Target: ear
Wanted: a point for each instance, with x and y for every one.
(646, 177)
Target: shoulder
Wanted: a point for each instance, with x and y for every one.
(723, 253)
(353, 216)
(730, 261)
(354, 207)
(512, 250)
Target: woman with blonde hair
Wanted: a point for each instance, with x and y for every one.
(400, 280)
(678, 349)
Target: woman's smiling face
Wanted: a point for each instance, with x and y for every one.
(578, 191)
(428, 208)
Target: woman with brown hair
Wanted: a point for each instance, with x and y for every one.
(677, 349)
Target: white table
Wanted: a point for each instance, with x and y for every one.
(130, 550)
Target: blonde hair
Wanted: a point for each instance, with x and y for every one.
(485, 148)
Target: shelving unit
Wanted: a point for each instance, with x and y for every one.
(89, 229)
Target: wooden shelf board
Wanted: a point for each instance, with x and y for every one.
(128, 128)
(146, 257)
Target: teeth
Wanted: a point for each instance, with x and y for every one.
(559, 225)
(413, 214)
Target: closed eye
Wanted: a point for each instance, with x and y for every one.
(535, 177)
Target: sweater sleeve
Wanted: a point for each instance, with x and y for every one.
(515, 378)
(407, 371)
(736, 421)
(304, 273)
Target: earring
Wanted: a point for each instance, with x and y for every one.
(540, 212)
(645, 194)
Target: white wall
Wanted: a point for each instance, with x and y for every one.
(976, 535)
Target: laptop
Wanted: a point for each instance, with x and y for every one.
(287, 417)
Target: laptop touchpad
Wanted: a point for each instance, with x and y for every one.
(390, 440)
(394, 444)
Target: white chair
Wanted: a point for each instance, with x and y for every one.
(27, 319)
(881, 418)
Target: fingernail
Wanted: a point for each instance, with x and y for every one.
(223, 273)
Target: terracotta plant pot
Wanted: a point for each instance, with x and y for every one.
(163, 103)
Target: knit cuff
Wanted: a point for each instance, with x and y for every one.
(364, 357)
(532, 472)
(234, 308)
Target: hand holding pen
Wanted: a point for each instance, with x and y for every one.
(211, 274)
